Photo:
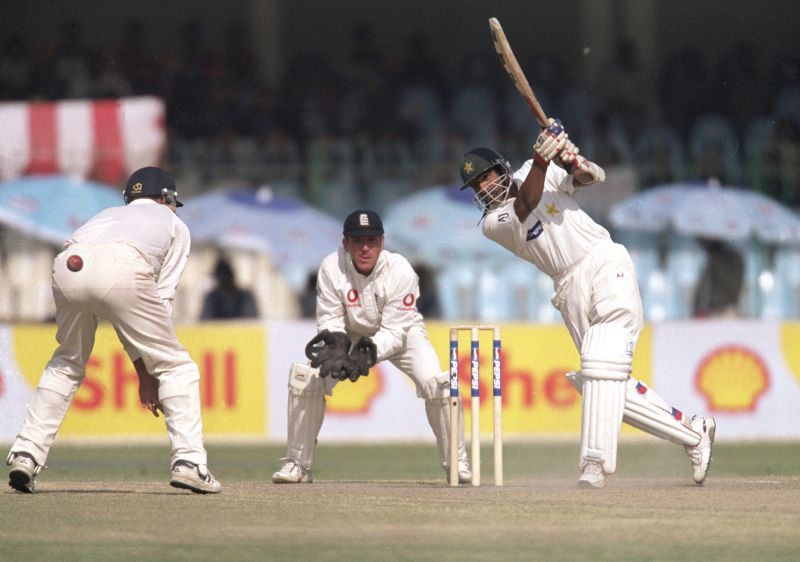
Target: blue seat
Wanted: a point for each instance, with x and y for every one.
(521, 281)
(455, 284)
(787, 268)
(755, 263)
(493, 297)
(713, 149)
(659, 156)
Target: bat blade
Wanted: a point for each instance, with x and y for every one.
(514, 71)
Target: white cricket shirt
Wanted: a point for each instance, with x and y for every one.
(381, 305)
(556, 235)
(157, 233)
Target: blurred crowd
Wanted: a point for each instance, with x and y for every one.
(384, 123)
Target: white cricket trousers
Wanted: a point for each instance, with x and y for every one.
(600, 289)
(118, 285)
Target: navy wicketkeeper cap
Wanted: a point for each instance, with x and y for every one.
(363, 223)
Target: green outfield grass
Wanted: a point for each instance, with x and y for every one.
(391, 502)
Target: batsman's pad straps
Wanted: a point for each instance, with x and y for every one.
(649, 417)
(607, 352)
(605, 370)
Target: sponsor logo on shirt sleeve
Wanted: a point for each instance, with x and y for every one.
(535, 231)
(409, 303)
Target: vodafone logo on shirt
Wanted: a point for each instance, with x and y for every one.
(408, 303)
(352, 298)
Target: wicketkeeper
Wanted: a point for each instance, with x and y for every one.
(533, 214)
(366, 313)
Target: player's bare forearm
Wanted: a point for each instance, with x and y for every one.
(530, 192)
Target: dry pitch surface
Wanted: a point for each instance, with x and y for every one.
(114, 503)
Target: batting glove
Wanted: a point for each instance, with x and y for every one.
(585, 172)
(549, 143)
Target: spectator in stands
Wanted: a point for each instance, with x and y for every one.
(627, 88)
(720, 285)
(739, 86)
(428, 301)
(780, 170)
(16, 69)
(227, 300)
(681, 104)
(308, 300)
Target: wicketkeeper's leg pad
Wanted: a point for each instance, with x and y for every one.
(436, 392)
(605, 367)
(306, 410)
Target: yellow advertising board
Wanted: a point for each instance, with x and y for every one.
(232, 363)
(537, 398)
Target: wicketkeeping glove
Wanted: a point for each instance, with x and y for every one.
(340, 368)
(364, 354)
(549, 143)
(327, 346)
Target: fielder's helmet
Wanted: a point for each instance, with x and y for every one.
(478, 160)
(151, 182)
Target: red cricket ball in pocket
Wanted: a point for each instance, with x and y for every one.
(74, 263)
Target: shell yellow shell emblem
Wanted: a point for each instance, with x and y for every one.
(790, 335)
(732, 379)
(348, 398)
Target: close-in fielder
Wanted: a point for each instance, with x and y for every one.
(122, 266)
(366, 313)
(533, 214)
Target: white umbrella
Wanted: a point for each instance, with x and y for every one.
(709, 211)
(438, 225)
(50, 208)
(294, 234)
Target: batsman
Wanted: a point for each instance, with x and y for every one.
(533, 214)
(366, 313)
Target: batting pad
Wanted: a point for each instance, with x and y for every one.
(605, 368)
(642, 411)
(306, 410)
(648, 412)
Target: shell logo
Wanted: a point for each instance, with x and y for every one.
(732, 379)
(355, 398)
(790, 335)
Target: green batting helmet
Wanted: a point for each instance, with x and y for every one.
(479, 160)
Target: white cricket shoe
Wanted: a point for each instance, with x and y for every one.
(700, 455)
(292, 472)
(592, 476)
(194, 477)
(22, 475)
(464, 472)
